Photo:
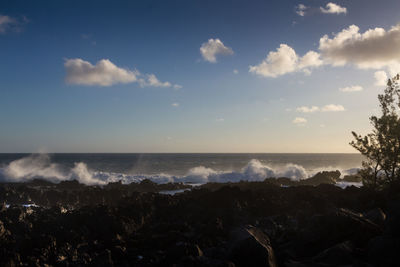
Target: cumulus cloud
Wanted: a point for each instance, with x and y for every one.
(375, 48)
(212, 48)
(106, 73)
(332, 108)
(301, 10)
(349, 89)
(310, 59)
(332, 8)
(305, 109)
(235, 71)
(381, 78)
(175, 105)
(285, 60)
(299, 120)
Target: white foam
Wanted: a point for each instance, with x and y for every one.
(347, 184)
(40, 166)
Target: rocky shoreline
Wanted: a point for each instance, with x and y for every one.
(235, 224)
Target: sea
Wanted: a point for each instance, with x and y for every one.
(100, 169)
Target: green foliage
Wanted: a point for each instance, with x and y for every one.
(382, 147)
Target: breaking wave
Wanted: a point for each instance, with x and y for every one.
(40, 166)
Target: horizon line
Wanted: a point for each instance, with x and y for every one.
(179, 153)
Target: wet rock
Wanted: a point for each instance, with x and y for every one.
(325, 177)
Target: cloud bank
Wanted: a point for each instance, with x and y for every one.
(212, 48)
(373, 49)
(106, 73)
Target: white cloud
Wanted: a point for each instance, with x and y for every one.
(219, 119)
(301, 10)
(153, 81)
(305, 109)
(375, 48)
(175, 105)
(332, 108)
(235, 71)
(299, 120)
(326, 108)
(104, 73)
(285, 60)
(177, 86)
(349, 89)
(8, 23)
(332, 8)
(5, 23)
(310, 59)
(381, 78)
(212, 48)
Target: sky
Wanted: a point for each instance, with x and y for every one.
(193, 76)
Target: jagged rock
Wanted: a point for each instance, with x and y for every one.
(325, 177)
(323, 231)
(340, 254)
(104, 259)
(383, 251)
(251, 247)
(376, 216)
(121, 225)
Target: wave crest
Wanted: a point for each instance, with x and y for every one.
(40, 166)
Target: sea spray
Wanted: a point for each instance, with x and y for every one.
(41, 166)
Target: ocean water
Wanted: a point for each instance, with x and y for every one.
(162, 168)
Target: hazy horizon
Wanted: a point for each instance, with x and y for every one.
(193, 76)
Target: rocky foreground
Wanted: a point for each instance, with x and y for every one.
(238, 224)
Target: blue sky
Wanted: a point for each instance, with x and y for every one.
(254, 87)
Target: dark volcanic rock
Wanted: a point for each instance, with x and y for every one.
(251, 247)
(325, 177)
(120, 225)
(340, 254)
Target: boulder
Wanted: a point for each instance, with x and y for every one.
(251, 247)
(376, 216)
